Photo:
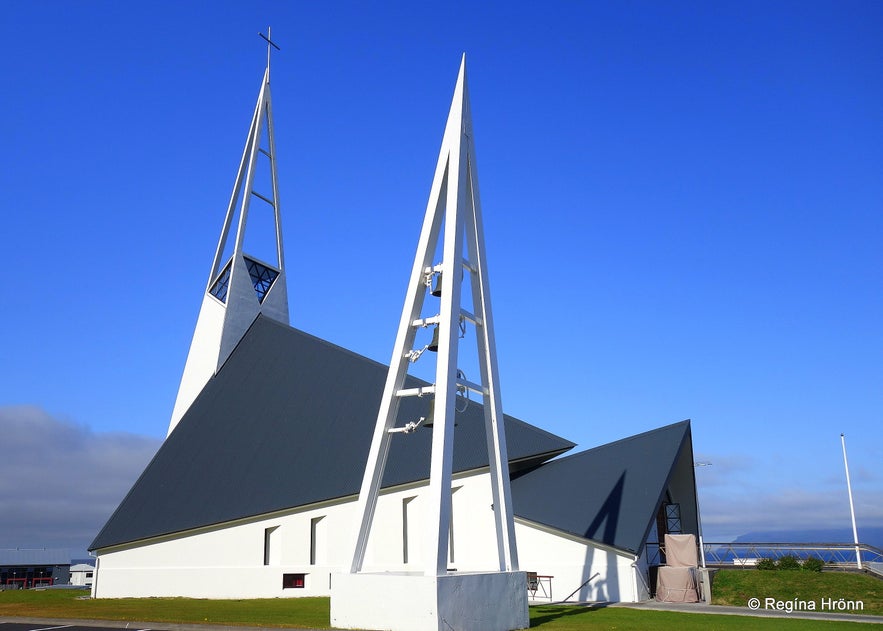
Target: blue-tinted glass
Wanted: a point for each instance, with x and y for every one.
(219, 289)
(262, 277)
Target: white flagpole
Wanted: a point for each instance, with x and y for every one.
(858, 558)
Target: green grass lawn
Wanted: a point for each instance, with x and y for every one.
(269, 612)
(571, 618)
(732, 587)
(735, 587)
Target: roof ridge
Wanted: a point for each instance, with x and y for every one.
(646, 434)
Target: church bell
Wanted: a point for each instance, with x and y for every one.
(436, 285)
(430, 416)
(433, 345)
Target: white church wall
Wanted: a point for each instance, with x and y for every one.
(228, 561)
(642, 576)
(473, 526)
(385, 545)
(241, 560)
(248, 559)
(572, 561)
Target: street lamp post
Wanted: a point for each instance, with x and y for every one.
(699, 515)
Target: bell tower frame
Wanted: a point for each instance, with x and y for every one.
(454, 201)
(439, 599)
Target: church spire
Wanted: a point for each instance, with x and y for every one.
(246, 278)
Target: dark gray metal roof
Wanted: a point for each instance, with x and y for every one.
(287, 422)
(608, 494)
(34, 556)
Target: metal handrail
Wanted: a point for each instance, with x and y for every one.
(837, 555)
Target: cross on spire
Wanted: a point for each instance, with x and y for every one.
(270, 43)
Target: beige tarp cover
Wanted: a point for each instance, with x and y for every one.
(676, 585)
(676, 581)
(680, 551)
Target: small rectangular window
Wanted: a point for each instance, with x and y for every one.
(293, 581)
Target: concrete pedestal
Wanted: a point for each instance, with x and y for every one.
(706, 578)
(492, 601)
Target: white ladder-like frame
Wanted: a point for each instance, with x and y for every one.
(454, 199)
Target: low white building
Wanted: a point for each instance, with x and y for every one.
(82, 574)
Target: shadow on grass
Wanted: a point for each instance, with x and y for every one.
(544, 614)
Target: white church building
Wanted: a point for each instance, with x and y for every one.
(254, 493)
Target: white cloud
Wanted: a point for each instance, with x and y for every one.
(60, 481)
(759, 486)
(733, 511)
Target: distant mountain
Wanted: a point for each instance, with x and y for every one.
(870, 536)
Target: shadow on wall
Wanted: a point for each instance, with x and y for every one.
(608, 515)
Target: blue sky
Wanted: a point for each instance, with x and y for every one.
(683, 204)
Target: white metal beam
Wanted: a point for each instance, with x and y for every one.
(454, 202)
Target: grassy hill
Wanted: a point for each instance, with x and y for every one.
(737, 587)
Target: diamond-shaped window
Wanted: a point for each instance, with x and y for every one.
(219, 288)
(262, 277)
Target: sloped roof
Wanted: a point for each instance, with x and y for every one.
(34, 556)
(609, 494)
(287, 422)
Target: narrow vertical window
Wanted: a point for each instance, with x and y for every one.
(271, 546)
(405, 543)
(451, 540)
(317, 540)
(451, 527)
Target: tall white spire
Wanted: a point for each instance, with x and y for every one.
(453, 205)
(242, 282)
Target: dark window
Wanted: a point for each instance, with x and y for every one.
(268, 544)
(219, 288)
(293, 581)
(673, 518)
(262, 277)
